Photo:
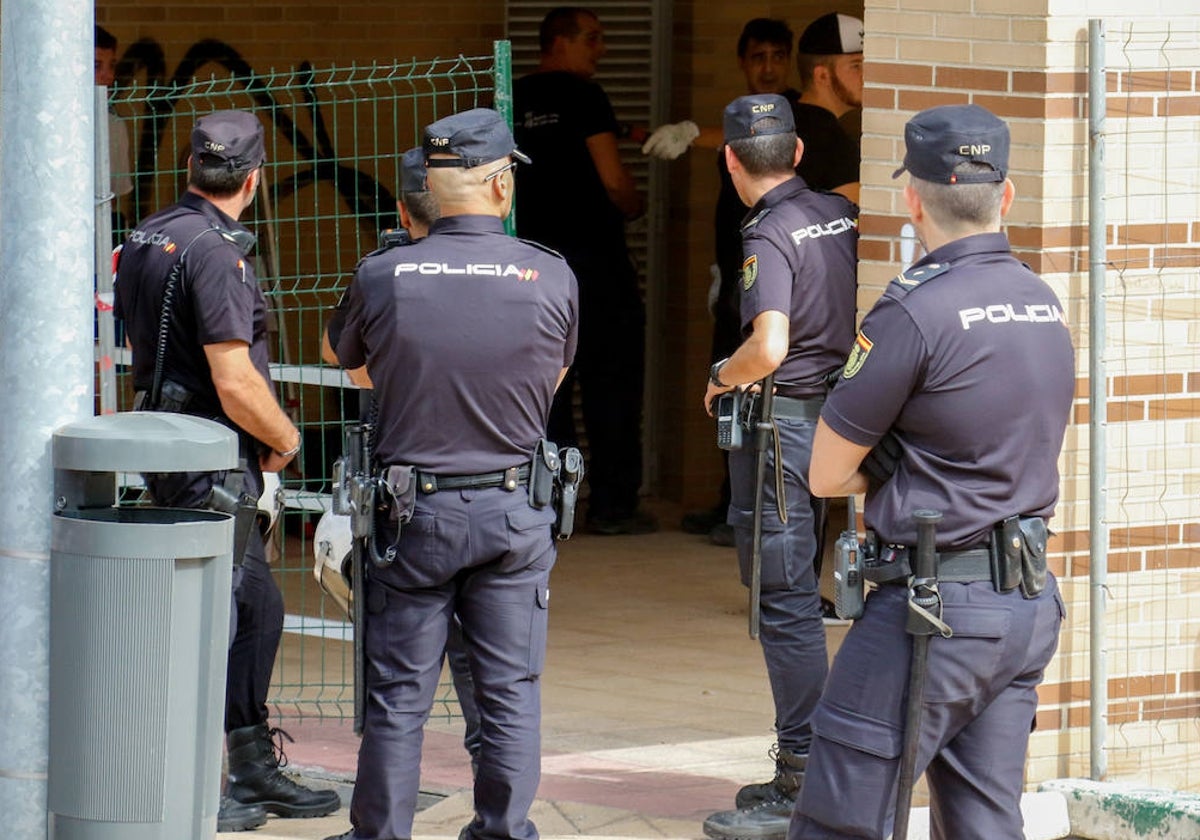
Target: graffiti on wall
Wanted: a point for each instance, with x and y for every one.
(144, 63)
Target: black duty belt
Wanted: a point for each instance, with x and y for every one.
(791, 408)
(965, 566)
(510, 479)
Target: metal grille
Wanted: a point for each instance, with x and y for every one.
(333, 136)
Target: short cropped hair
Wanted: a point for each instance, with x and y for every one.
(766, 154)
(422, 206)
(217, 181)
(560, 22)
(765, 31)
(955, 206)
(105, 40)
(806, 65)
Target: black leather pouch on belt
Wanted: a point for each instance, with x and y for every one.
(542, 472)
(1019, 555)
(400, 484)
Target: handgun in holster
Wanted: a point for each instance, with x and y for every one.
(229, 497)
(570, 475)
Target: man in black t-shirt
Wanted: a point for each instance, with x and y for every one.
(576, 199)
(955, 399)
(829, 56)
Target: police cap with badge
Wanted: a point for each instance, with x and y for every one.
(230, 140)
(757, 115)
(471, 138)
(938, 139)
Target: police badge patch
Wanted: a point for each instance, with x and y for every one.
(858, 356)
(749, 272)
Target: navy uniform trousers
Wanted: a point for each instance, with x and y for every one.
(979, 705)
(486, 556)
(791, 631)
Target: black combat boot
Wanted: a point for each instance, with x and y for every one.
(789, 775)
(234, 816)
(255, 778)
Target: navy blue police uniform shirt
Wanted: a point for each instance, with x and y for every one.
(800, 255)
(217, 298)
(561, 201)
(968, 360)
(463, 334)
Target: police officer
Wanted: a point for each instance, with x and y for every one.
(797, 309)
(965, 366)
(184, 280)
(465, 335)
(418, 210)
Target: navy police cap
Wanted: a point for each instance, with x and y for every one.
(473, 137)
(413, 174)
(938, 139)
(746, 116)
(228, 139)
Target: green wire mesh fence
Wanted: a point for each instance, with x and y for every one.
(334, 137)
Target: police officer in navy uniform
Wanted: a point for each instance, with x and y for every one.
(465, 335)
(418, 209)
(797, 310)
(215, 365)
(955, 399)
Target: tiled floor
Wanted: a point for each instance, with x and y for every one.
(655, 700)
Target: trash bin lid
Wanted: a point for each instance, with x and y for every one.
(144, 441)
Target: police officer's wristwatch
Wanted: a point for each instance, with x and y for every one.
(714, 373)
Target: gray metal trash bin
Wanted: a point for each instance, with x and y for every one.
(139, 627)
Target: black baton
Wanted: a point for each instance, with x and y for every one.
(923, 598)
(762, 436)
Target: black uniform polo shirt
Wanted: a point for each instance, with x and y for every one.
(800, 258)
(968, 360)
(463, 334)
(217, 299)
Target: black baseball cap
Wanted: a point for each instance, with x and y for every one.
(228, 139)
(832, 34)
(474, 137)
(744, 116)
(938, 139)
(413, 174)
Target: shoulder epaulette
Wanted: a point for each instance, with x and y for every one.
(755, 219)
(908, 280)
(541, 247)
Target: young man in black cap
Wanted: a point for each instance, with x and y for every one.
(185, 272)
(965, 366)
(829, 56)
(797, 311)
(465, 336)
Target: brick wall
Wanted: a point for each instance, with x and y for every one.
(1027, 62)
(282, 34)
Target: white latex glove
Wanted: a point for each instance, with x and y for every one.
(671, 140)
